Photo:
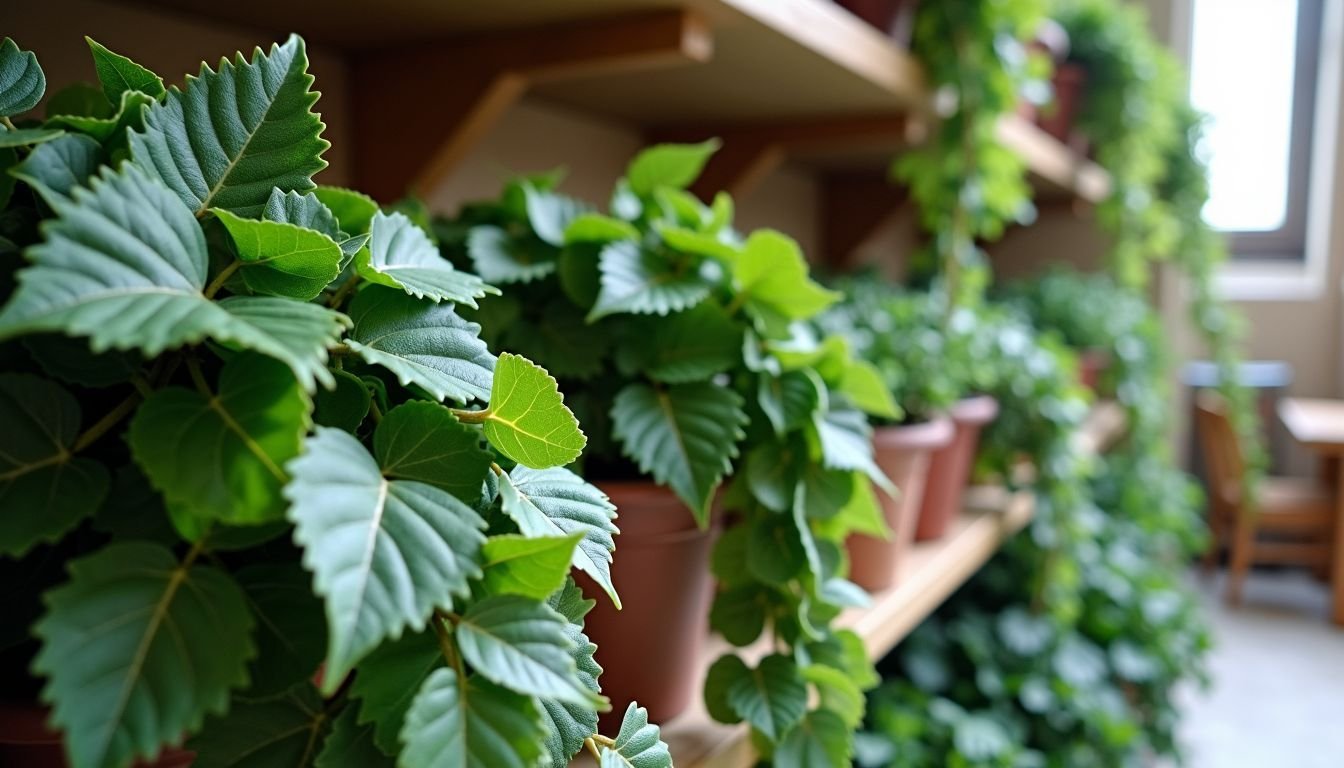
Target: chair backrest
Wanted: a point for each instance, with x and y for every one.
(1222, 449)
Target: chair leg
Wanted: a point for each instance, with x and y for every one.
(1209, 561)
(1243, 544)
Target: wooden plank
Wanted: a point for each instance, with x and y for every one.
(1056, 168)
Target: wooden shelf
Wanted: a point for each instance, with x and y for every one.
(1056, 169)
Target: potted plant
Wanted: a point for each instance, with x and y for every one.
(688, 342)
(901, 335)
(266, 491)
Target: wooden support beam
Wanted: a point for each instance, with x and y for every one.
(853, 206)
(751, 151)
(421, 109)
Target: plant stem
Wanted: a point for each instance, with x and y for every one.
(449, 649)
(374, 412)
(7, 123)
(198, 378)
(592, 748)
(471, 417)
(221, 279)
(101, 427)
(603, 740)
(345, 289)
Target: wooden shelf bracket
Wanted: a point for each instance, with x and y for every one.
(408, 136)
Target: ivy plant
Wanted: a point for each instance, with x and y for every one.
(266, 489)
(697, 363)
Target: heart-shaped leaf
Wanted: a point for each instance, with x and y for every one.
(771, 275)
(668, 165)
(119, 639)
(471, 723)
(772, 697)
(527, 419)
(232, 136)
(821, 740)
(384, 553)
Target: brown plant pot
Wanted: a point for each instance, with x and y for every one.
(895, 18)
(950, 466)
(650, 650)
(1058, 118)
(26, 741)
(903, 455)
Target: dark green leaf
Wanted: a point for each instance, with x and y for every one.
(109, 131)
(119, 74)
(821, 740)
(350, 745)
(739, 614)
(344, 407)
(772, 697)
(644, 281)
(471, 723)
(424, 441)
(688, 346)
(283, 732)
(291, 630)
(386, 682)
(790, 400)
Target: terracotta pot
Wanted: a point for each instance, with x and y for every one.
(895, 18)
(903, 454)
(650, 651)
(1057, 119)
(26, 741)
(950, 466)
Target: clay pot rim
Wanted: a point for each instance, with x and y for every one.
(636, 492)
(975, 410)
(933, 433)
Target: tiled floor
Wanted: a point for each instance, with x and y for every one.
(1277, 699)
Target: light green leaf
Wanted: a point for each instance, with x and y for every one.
(527, 419)
(597, 228)
(44, 489)
(688, 346)
(557, 502)
(530, 567)
(282, 732)
(772, 697)
(644, 281)
(471, 723)
(59, 166)
(685, 435)
(821, 740)
(668, 165)
(501, 259)
(353, 210)
(424, 441)
(250, 427)
(639, 744)
(387, 680)
(837, 692)
(772, 274)
(980, 738)
(27, 137)
(424, 344)
(863, 384)
(282, 259)
(698, 244)
(291, 630)
(384, 553)
(119, 74)
(351, 745)
(400, 255)
(119, 640)
(522, 645)
(22, 82)
(232, 136)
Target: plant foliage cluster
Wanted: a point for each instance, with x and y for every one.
(265, 488)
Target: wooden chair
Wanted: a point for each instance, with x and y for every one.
(1291, 522)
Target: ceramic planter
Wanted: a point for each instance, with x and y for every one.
(26, 741)
(650, 651)
(950, 466)
(903, 454)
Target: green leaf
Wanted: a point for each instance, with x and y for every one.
(302, 210)
(772, 697)
(790, 400)
(78, 100)
(698, 244)
(291, 630)
(685, 435)
(400, 255)
(847, 443)
(69, 359)
(739, 614)
(821, 740)
(387, 680)
(383, 553)
(771, 274)
(557, 502)
(125, 265)
(567, 725)
(688, 346)
(350, 745)
(527, 419)
(282, 259)
(530, 567)
(837, 692)
(522, 645)
(722, 675)
(424, 441)
(864, 386)
(22, 82)
(27, 137)
(249, 428)
(775, 552)
(344, 407)
(282, 732)
(232, 136)
(639, 744)
(424, 344)
(567, 346)
(44, 489)
(550, 213)
(772, 474)
(59, 166)
(644, 281)
(120, 639)
(353, 210)
(501, 259)
(471, 723)
(110, 131)
(597, 228)
(119, 74)
(668, 165)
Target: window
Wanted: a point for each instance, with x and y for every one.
(1253, 71)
